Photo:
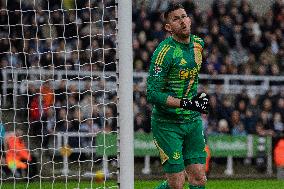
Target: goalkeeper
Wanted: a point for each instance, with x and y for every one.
(172, 89)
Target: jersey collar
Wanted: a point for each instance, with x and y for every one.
(184, 45)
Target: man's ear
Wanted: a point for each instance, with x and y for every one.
(168, 28)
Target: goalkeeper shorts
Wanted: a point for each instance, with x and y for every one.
(179, 144)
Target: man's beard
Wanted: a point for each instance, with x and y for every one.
(184, 35)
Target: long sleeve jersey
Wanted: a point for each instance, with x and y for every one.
(174, 72)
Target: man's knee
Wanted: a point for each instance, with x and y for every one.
(196, 174)
(199, 180)
(176, 180)
(174, 184)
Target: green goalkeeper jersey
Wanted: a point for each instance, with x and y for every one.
(174, 72)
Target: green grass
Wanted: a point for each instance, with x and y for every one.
(212, 184)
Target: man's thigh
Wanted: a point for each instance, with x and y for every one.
(169, 141)
(194, 144)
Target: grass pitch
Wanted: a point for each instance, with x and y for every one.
(212, 184)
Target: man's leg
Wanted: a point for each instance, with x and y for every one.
(175, 176)
(176, 180)
(195, 155)
(169, 139)
(196, 176)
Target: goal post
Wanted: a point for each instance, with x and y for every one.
(125, 93)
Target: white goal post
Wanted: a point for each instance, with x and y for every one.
(125, 92)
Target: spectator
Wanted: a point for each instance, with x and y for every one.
(279, 107)
(49, 127)
(237, 125)
(214, 112)
(110, 120)
(14, 59)
(139, 123)
(60, 94)
(86, 105)
(226, 108)
(47, 96)
(97, 116)
(261, 130)
(17, 155)
(241, 108)
(267, 109)
(90, 127)
(61, 121)
(145, 115)
(35, 111)
(223, 127)
(278, 125)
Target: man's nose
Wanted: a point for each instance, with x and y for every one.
(182, 20)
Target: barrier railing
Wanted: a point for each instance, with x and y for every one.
(18, 80)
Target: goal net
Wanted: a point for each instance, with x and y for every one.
(59, 120)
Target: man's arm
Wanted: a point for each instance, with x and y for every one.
(199, 103)
(156, 81)
(155, 96)
(173, 102)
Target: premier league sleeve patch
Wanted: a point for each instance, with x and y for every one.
(157, 69)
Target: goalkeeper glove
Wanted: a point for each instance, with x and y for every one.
(199, 103)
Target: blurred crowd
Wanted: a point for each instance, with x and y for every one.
(82, 36)
(237, 39)
(242, 115)
(63, 35)
(68, 109)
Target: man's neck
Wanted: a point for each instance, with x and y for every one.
(185, 40)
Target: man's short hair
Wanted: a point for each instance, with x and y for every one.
(172, 7)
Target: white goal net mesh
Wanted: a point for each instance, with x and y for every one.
(58, 93)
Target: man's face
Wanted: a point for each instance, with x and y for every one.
(178, 23)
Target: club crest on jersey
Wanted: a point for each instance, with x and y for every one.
(176, 155)
(157, 69)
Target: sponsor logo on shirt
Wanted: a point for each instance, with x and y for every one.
(186, 73)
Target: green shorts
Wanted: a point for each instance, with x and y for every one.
(179, 144)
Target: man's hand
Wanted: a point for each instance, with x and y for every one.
(198, 103)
